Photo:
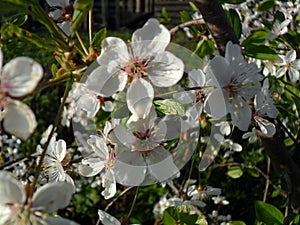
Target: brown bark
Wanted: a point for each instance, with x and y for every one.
(217, 23)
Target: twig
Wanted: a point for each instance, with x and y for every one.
(267, 180)
(186, 24)
(116, 198)
(288, 198)
(133, 203)
(12, 163)
(81, 43)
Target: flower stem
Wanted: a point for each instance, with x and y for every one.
(133, 202)
(81, 43)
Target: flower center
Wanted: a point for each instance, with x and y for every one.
(67, 13)
(136, 68)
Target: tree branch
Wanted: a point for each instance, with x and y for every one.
(217, 23)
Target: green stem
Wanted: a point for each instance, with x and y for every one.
(43, 154)
(133, 202)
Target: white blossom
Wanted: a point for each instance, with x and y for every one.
(19, 77)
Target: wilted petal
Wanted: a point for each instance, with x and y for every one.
(139, 97)
(11, 190)
(19, 120)
(240, 113)
(105, 81)
(165, 70)
(107, 219)
(53, 196)
(161, 164)
(20, 76)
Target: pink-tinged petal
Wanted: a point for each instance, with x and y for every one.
(158, 34)
(216, 103)
(165, 69)
(266, 127)
(196, 78)
(11, 190)
(19, 120)
(20, 76)
(219, 71)
(107, 219)
(51, 220)
(291, 56)
(293, 74)
(130, 168)
(105, 81)
(139, 97)
(53, 196)
(240, 113)
(60, 150)
(161, 164)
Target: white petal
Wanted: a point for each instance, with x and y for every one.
(109, 183)
(66, 27)
(51, 220)
(139, 97)
(88, 103)
(296, 64)
(1, 60)
(291, 56)
(233, 53)
(154, 31)
(105, 81)
(60, 150)
(216, 103)
(62, 3)
(53, 196)
(161, 164)
(130, 168)
(240, 113)
(293, 74)
(266, 126)
(11, 190)
(99, 146)
(108, 106)
(19, 120)
(165, 70)
(219, 71)
(107, 219)
(20, 76)
(91, 169)
(281, 72)
(122, 137)
(196, 78)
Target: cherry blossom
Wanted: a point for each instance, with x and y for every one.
(142, 63)
(19, 77)
(290, 64)
(49, 198)
(234, 81)
(62, 12)
(102, 161)
(55, 162)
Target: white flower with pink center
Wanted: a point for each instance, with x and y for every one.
(142, 63)
(19, 77)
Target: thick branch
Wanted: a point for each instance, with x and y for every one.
(217, 23)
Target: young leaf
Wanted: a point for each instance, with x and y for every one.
(81, 10)
(256, 37)
(185, 16)
(235, 172)
(260, 52)
(234, 20)
(171, 216)
(169, 106)
(266, 5)
(98, 38)
(268, 213)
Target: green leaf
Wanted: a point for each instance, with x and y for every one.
(234, 20)
(233, 1)
(256, 37)
(204, 48)
(253, 172)
(98, 38)
(186, 218)
(54, 70)
(170, 106)
(170, 216)
(266, 5)
(268, 213)
(164, 16)
(235, 172)
(185, 16)
(81, 10)
(194, 7)
(18, 19)
(237, 223)
(260, 52)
